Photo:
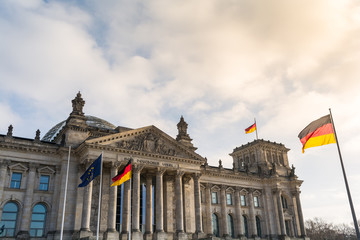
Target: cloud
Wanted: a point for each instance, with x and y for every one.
(218, 63)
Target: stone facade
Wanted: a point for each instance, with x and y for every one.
(173, 192)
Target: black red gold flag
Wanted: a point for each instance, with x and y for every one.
(317, 133)
(250, 129)
(122, 176)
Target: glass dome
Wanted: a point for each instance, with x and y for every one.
(91, 121)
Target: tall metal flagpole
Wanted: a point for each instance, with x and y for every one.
(100, 193)
(346, 182)
(130, 204)
(66, 183)
(256, 129)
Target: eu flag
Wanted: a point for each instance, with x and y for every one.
(92, 172)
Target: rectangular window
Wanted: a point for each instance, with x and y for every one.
(15, 180)
(44, 183)
(214, 198)
(242, 200)
(228, 199)
(256, 201)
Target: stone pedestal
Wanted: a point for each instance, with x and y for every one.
(181, 236)
(124, 236)
(82, 234)
(111, 235)
(148, 236)
(161, 236)
(137, 236)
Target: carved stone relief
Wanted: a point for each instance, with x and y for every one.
(148, 143)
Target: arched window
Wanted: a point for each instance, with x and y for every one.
(258, 226)
(230, 223)
(8, 219)
(37, 226)
(215, 225)
(245, 226)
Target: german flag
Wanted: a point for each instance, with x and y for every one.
(317, 133)
(250, 129)
(123, 175)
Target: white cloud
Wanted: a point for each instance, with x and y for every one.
(219, 63)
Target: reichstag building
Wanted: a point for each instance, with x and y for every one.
(173, 192)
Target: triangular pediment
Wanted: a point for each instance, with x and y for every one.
(147, 140)
(18, 167)
(46, 170)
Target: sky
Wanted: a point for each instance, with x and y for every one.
(218, 63)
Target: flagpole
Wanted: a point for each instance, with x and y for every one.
(256, 129)
(130, 207)
(100, 193)
(346, 182)
(66, 183)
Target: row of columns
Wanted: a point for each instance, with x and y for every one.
(179, 208)
(159, 203)
(252, 227)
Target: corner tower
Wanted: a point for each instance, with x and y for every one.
(183, 137)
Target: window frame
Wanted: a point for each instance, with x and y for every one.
(256, 201)
(43, 184)
(34, 221)
(15, 181)
(243, 200)
(229, 200)
(216, 199)
(14, 221)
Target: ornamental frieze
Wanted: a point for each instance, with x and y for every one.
(148, 143)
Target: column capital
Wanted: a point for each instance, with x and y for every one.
(196, 176)
(160, 171)
(180, 173)
(223, 187)
(33, 166)
(4, 163)
(277, 191)
(208, 185)
(296, 192)
(137, 168)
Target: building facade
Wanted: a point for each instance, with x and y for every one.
(173, 192)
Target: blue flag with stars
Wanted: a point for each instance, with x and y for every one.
(92, 172)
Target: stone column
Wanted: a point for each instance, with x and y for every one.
(179, 202)
(3, 169)
(26, 216)
(225, 231)
(136, 233)
(86, 212)
(198, 218)
(159, 200)
(126, 210)
(300, 215)
(208, 209)
(55, 199)
(111, 232)
(148, 215)
(252, 221)
(280, 212)
(238, 221)
(136, 198)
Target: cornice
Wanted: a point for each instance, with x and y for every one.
(134, 153)
(37, 148)
(149, 129)
(260, 144)
(229, 174)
